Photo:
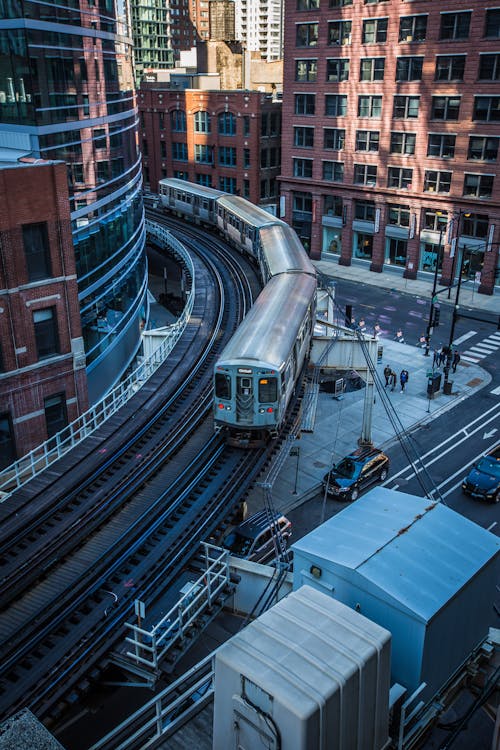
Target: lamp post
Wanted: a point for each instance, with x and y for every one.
(454, 319)
(434, 286)
(466, 215)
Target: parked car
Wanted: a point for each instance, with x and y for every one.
(356, 472)
(483, 480)
(256, 538)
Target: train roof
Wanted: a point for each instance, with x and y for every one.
(284, 251)
(267, 334)
(247, 211)
(191, 187)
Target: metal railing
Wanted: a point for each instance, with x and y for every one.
(199, 597)
(40, 458)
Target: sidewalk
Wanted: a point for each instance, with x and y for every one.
(338, 423)
(389, 280)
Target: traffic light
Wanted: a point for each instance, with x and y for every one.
(435, 319)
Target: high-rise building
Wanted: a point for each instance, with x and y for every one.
(259, 25)
(390, 149)
(222, 20)
(62, 97)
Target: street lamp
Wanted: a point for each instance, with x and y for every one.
(454, 318)
(434, 286)
(466, 215)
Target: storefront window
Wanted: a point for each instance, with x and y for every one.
(395, 253)
(332, 240)
(429, 254)
(363, 245)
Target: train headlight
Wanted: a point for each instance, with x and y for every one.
(261, 410)
(228, 408)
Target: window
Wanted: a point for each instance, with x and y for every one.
(246, 158)
(161, 120)
(246, 125)
(397, 215)
(163, 149)
(204, 179)
(371, 68)
(201, 122)
(437, 182)
(332, 205)
(369, 106)
(333, 138)
(222, 386)
(335, 105)
(226, 123)
(7, 444)
(228, 184)
(412, 28)
(445, 107)
(399, 177)
(374, 2)
(203, 154)
(339, 32)
(489, 67)
(339, 3)
(365, 174)
(303, 137)
(367, 140)
(435, 220)
(337, 69)
(179, 151)
(227, 156)
(306, 71)
(306, 35)
(333, 171)
(441, 145)
(178, 121)
(46, 334)
(375, 30)
(302, 202)
(305, 104)
(405, 107)
(364, 210)
(307, 4)
(302, 167)
(246, 188)
(396, 252)
(403, 143)
(492, 23)
(409, 68)
(56, 417)
(99, 138)
(475, 225)
(181, 175)
(268, 390)
(363, 247)
(486, 108)
(450, 68)
(483, 148)
(455, 25)
(36, 251)
(478, 185)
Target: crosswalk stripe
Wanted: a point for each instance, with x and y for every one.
(470, 359)
(464, 338)
(479, 350)
(494, 336)
(496, 391)
(491, 342)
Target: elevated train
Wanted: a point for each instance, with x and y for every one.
(256, 374)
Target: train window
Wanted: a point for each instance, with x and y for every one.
(268, 390)
(222, 385)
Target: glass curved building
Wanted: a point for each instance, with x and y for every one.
(66, 93)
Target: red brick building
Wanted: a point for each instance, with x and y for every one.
(229, 140)
(392, 113)
(43, 383)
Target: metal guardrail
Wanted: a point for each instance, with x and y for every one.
(40, 458)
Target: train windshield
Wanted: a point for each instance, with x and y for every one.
(222, 385)
(268, 390)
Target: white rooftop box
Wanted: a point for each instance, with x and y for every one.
(308, 674)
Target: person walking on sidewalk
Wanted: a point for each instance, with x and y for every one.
(436, 360)
(399, 336)
(403, 379)
(387, 375)
(456, 360)
(393, 380)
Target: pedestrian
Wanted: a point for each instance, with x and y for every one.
(422, 341)
(445, 353)
(376, 330)
(436, 358)
(442, 356)
(399, 336)
(456, 360)
(393, 380)
(362, 325)
(387, 375)
(403, 379)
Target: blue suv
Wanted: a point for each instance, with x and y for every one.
(483, 480)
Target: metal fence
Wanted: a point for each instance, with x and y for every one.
(24, 469)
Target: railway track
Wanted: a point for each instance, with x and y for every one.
(122, 525)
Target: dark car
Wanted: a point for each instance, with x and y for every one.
(257, 538)
(483, 480)
(356, 472)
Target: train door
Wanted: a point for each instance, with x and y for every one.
(196, 205)
(244, 399)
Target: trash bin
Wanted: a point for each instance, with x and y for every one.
(433, 384)
(447, 387)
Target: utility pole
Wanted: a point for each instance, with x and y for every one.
(454, 318)
(434, 296)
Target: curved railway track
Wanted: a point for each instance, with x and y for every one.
(125, 524)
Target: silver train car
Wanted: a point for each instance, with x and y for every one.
(257, 372)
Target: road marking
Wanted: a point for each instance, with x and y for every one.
(494, 336)
(493, 345)
(496, 391)
(478, 350)
(469, 359)
(483, 348)
(462, 472)
(464, 338)
(490, 433)
(491, 526)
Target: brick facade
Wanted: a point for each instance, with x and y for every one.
(256, 139)
(31, 195)
(435, 148)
